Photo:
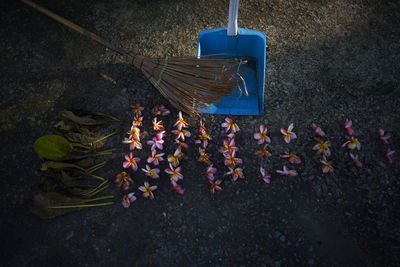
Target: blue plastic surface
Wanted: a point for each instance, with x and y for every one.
(249, 44)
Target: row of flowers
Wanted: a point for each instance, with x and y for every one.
(228, 149)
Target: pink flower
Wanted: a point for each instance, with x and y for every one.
(134, 133)
(231, 135)
(128, 199)
(262, 152)
(177, 188)
(389, 155)
(203, 139)
(160, 110)
(352, 143)
(348, 126)
(322, 147)
(130, 161)
(327, 165)
(261, 136)
(228, 146)
(175, 174)
(286, 172)
(202, 127)
(230, 125)
(181, 144)
(317, 130)
(133, 143)
(288, 135)
(155, 143)
(383, 137)
(292, 158)
(155, 158)
(231, 160)
(160, 135)
(152, 173)
(181, 134)
(157, 125)
(204, 157)
(137, 121)
(210, 171)
(356, 160)
(123, 180)
(265, 175)
(174, 159)
(181, 123)
(137, 109)
(236, 173)
(214, 186)
(148, 190)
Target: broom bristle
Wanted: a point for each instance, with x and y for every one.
(190, 83)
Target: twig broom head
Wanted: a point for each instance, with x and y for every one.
(189, 83)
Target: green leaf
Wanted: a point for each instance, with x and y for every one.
(53, 147)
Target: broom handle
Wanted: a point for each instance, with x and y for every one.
(77, 28)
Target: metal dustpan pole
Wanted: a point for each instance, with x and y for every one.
(232, 29)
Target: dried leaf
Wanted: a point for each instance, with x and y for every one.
(86, 117)
(53, 147)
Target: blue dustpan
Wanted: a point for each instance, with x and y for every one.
(237, 42)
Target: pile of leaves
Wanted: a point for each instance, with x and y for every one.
(71, 158)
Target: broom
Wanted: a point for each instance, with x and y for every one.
(188, 83)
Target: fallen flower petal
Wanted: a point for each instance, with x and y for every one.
(228, 146)
(181, 123)
(133, 143)
(352, 143)
(383, 137)
(235, 173)
(348, 126)
(128, 199)
(137, 121)
(356, 160)
(288, 135)
(202, 127)
(317, 130)
(265, 175)
(286, 172)
(292, 158)
(322, 147)
(160, 110)
(134, 133)
(137, 109)
(261, 136)
(231, 160)
(155, 158)
(230, 125)
(214, 186)
(123, 180)
(130, 161)
(157, 125)
(203, 139)
(155, 143)
(390, 155)
(152, 173)
(175, 174)
(210, 171)
(177, 188)
(147, 190)
(327, 165)
(181, 144)
(181, 134)
(174, 159)
(204, 157)
(262, 152)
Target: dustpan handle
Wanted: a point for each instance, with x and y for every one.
(232, 18)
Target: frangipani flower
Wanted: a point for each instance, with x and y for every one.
(383, 137)
(203, 139)
(389, 155)
(228, 146)
(133, 143)
(204, 157)
(261, 136)
(231, 135)
(231, 160)
(155, 158)
(352, 143)
(181, 134)
(202, 127)
(160, 110)
(322, 147)
(181, 123)
(292, 158)
(356, 160)
(230, 125)
(181, 144)
(134, 133)
(262, 152)
(137, 121)
(317, 130)
(128, 199)
(236, 173)
(175, 174)
(130, 161)
(288, 135)
(157, 125)
(155, 143)
(174, 159)
(348, 126)
(123, 180)
(327, 165)
(152, 173)
(210, 171)
(214, 186)
(148, 190)
(177, 188)
(265, 175)
(137, 109)
(160, 135)
(286, 172)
